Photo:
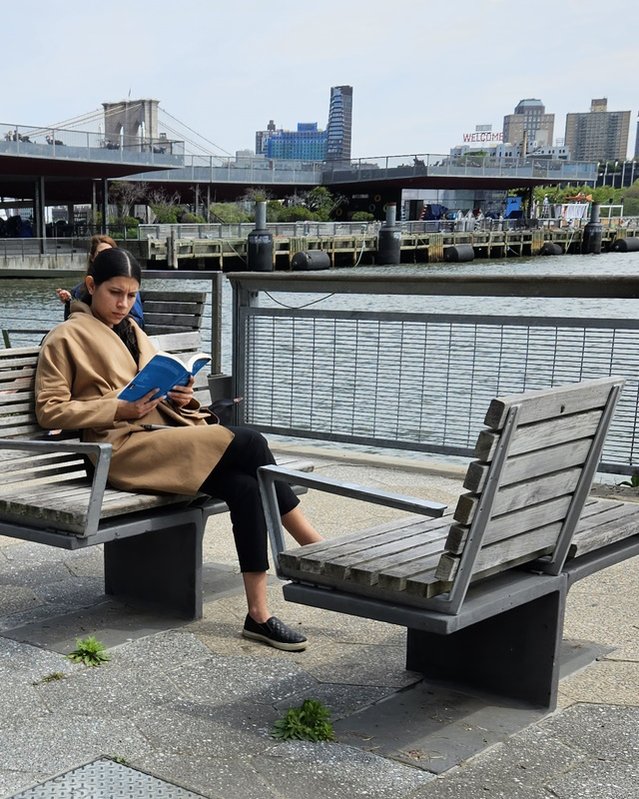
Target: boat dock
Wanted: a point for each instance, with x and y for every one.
(361, 248)
(225, 247)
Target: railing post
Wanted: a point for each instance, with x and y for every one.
(216, 322)
(242, 299)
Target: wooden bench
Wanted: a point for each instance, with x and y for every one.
(165, 311)
(172, 311)
(152, 543)
(482, 590)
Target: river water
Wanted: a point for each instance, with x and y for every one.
(32, 303)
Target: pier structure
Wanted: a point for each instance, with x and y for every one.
(357, 247)
(226, 247)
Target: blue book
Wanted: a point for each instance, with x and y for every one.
(163, 372)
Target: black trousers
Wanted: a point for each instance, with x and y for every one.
(234, 480)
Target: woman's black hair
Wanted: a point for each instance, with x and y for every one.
(116, 263)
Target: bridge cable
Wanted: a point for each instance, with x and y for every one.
(208, 141)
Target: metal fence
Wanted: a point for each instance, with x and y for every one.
(412, 380)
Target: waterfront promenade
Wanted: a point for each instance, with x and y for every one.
(193, 703)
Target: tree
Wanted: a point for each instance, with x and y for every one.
(166, 209)
(299, 213)
(228, 213)
(257, 194)
(321, 202)
(631, 200)
(560, 194)
(124, 194)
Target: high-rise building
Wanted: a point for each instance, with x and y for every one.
(529, 125)
(340, 124)
(598, 134)
(307, 143)
(261, 137)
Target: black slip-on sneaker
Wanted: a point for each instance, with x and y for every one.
(274, 633)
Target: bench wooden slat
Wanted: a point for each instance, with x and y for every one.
(40, 475)
(178, 342)
(613, 522)
(520, 495)
(168, 307)
(529, 465)
(512, 524)
(366, 565)
(315, 555)
(171, 319)
(151, 296)
(549, 403)
(529, 546)
(539, 436)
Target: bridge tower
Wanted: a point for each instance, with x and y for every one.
(131, 122)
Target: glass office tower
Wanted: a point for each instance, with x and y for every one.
(340, 122)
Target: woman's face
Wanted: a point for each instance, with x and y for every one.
(112, 300)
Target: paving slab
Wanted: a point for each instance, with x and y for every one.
(327, 771)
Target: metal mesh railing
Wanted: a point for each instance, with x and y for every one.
(421, 381)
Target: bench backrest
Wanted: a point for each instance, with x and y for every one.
(17, 375)
(172, 311)
(536, 460)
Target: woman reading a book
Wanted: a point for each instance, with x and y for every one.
(160, 445)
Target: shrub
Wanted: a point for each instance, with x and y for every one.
(363, 216)
(89, 651)
(310, 722)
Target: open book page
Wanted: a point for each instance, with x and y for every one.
(163, 372)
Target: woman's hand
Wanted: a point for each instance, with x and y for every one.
(63, 295)
(181, 395)
(129, 411)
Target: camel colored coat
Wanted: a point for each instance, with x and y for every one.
(82, 366)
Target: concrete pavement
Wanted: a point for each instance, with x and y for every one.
(193, 704)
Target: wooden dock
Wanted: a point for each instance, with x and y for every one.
(229, 253)
(355, 249)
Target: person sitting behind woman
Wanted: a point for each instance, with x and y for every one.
(98, 243)
(83, 365)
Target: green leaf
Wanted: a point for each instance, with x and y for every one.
(89, 651)
(309, 722)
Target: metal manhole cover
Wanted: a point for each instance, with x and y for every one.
(106, 779)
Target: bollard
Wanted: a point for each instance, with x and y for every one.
(626, 245)
(389, 238)
(260, 243)
(551, 248)
(313, 259)
(593, 233)
(459, 253)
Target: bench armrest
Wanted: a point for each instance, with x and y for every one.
(268, 475)
(102, 461)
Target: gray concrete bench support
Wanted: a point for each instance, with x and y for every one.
(514, 654)
(162, 567)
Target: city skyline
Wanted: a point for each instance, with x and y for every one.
(225, 79)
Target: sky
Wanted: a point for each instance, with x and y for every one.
(423, 73)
